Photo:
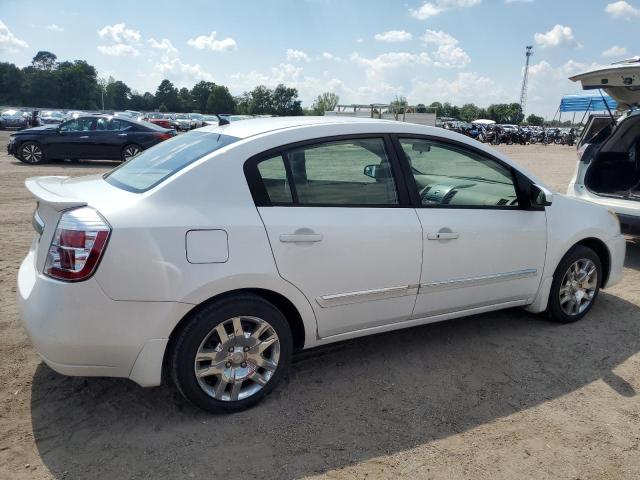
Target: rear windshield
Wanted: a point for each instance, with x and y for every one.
(158, 163)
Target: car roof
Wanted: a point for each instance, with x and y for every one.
(256, 126)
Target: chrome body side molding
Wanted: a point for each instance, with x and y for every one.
(476, 281)
(366, 295)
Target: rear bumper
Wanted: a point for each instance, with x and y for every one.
(78, 330)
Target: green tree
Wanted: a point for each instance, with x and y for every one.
(260, 102)
(44, 61)
(325, 102)
(535, 120)
(220, 100)
(421, 108)
(78, 85)
(167, 95)
(398, 106)
(117, 95)
(185, 99)
(284, 101)
(243, 103)
(469, 112)
(11, 81)
(200, 94)
(163, 108)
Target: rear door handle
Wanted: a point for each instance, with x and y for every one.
(300, 237)
(85, 136)
(443, 236)
(122, 134)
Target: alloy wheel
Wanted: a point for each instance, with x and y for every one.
(237, 358)
(131, 151)
(31, 153)
(578, 287)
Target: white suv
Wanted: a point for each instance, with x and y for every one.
(220, 252)
(608, 171)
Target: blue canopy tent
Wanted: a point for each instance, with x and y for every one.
(586, 102)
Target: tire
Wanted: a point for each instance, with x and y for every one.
(203, 337)
(129, 151)
(582, 294)
(31, 153)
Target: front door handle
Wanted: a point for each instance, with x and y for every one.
(443, 236)
(122, 134)
(85, 136)
(300, 237)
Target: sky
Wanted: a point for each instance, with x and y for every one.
(366, 51)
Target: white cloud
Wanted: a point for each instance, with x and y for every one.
(297, 55)
(165, 46)
(391, 60)
(119, 50)
(464, 88)
(614, 51)
(119, 33)
(448, 54)
(55, 28)
(331, 56)
(211, 43)
(180, 71)
(8, 41)
(622, 9)
(393, 36)
(436, 7)
(558, 36)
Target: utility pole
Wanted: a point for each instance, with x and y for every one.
(525, 80)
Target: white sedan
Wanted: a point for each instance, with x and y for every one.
(220, 252)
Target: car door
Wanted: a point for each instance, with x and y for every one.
(109, 138)
(73, 139)
(341, 230)
(482, 247)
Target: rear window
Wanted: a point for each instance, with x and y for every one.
(158, 163)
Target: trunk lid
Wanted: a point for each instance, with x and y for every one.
(55, 194)
(620, 80)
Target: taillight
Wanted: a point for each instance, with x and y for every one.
(164, 136)
(77, 246)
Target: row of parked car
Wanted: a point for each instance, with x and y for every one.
(19, 118)
(496, 134)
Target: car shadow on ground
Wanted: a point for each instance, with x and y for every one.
(343, 404)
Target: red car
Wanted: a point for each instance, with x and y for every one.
(159, 119)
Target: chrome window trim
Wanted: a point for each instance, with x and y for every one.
(476, 281)
(365, 295)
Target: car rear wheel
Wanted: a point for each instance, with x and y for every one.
(31, 152)
(576, 283)
(129, 151)
(232, 353)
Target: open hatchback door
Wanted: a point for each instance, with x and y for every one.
(608, 170)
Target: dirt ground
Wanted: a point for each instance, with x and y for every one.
(503, 395)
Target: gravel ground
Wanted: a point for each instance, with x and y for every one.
(503, 395)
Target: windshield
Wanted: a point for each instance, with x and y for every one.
(158, 163)
(182, 117)
(11, 113)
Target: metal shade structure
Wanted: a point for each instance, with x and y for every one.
(587, 102)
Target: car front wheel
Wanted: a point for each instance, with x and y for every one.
(576, 283)
(232, 353)
(31, 152)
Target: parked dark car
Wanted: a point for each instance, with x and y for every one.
(88, 137)
(52, 117)
(14, 119)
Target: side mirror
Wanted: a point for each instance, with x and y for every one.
(540, 196)
(370, 170)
